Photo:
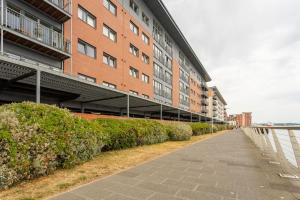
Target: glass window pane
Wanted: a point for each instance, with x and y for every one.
(91, 21)
(90, 51)
(106, 3)
(105, 31)
(81, 48)
(80, 13)
(105, 60)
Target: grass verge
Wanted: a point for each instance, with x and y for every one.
(105, 164)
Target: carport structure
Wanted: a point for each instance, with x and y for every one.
(24, 81)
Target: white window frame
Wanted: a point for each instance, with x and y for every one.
(109, 33)
(111, 7)
(86, 17)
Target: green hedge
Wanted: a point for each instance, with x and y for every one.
(128, 133)
(178, 131)
(36, 139)
(200, 128)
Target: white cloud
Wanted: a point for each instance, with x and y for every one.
(251, 50)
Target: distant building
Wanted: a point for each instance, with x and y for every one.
(216, 104)
(241, 120)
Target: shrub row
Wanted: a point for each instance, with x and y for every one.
(121, 133)
(36, 139)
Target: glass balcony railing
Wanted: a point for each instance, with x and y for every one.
(159, 75)
(62, 4)
(35, 30)
(184, 102)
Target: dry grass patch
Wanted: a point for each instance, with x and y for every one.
(103, 165)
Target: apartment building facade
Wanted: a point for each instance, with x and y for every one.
(124, 48)
(217, 105)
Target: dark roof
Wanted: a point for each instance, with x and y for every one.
(160, 11)
(217, 92)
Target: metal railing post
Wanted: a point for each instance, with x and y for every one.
(269, 147)
(296, 147)
(128, 106)
(280, 155)
(38, 86)
(161, 112)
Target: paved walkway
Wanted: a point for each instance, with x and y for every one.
(225, 167)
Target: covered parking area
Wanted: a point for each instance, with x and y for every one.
(23, 81)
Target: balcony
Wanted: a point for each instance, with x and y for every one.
(168, 80)
(159, 40)
(32, 34)
(204, 87)
(185, 103)
(60, 10)
(160, 58)
(168, 49)
(185, 91)
(184, 78)
(204, 94)
(204, 102)
(204, 110)
(159, 75)
(215, 102)
(183, 66)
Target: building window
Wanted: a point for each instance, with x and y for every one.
(87, 17)
(109, 33)
(168, 44)
(145, 19)
(109, 60)
(87, 78)
(133, 72)
(158, 54)
(168, 78)
(157, 32)
(145, 96)
(110, 6)
(133, 92)
(158, 89)
(106, 84)
(145, 38)
(134, 6)
(86, 49)
(134, 28)
(168, 93)
(168, 62)
(158, 71)
(133, 50)
(145, 58)
(145, 78)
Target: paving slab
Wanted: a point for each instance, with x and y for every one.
(227, 166)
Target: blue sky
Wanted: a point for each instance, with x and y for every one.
(251, 49)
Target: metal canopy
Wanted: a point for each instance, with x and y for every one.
(74, 91)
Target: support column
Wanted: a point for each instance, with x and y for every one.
(128, 107)
(280, 155)
(82, 108)
(212, 125)
(191, 117)
(161, 112)
(38, 86)
(296, 147)
(2, 22)
(178, 115)
(269, 148)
